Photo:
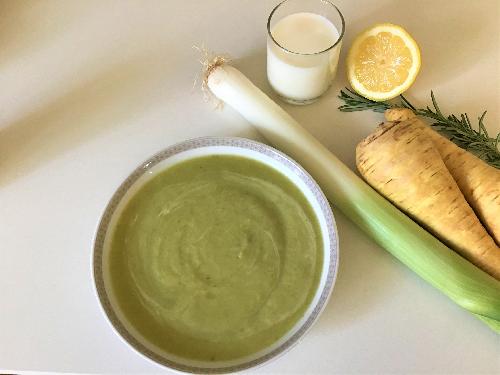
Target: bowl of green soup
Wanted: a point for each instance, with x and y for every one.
(215, 255)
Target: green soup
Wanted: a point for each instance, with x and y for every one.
(215, 258)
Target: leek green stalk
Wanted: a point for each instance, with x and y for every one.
(467, 285)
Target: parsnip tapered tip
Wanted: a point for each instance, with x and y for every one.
(399, 114)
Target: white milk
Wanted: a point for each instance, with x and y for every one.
(302, 74)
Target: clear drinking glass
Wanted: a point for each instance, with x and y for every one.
(303, 47)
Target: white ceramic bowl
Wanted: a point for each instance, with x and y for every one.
(202, 147)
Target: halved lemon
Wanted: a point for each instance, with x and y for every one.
(383, 62)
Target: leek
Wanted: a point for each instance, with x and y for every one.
(461, 281)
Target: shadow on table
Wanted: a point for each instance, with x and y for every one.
(253, 65)
(361, 286)
(22, 27)
(110, 97)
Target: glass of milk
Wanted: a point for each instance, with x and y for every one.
(303, 47)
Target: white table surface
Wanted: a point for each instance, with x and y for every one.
(89, 89)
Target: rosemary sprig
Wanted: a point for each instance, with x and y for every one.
(457, 128)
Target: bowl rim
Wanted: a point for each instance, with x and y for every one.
(113, 203)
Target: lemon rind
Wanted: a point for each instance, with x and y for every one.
(412, 73)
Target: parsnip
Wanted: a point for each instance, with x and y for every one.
(399, 114)
(401, 162)
(478, 181)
